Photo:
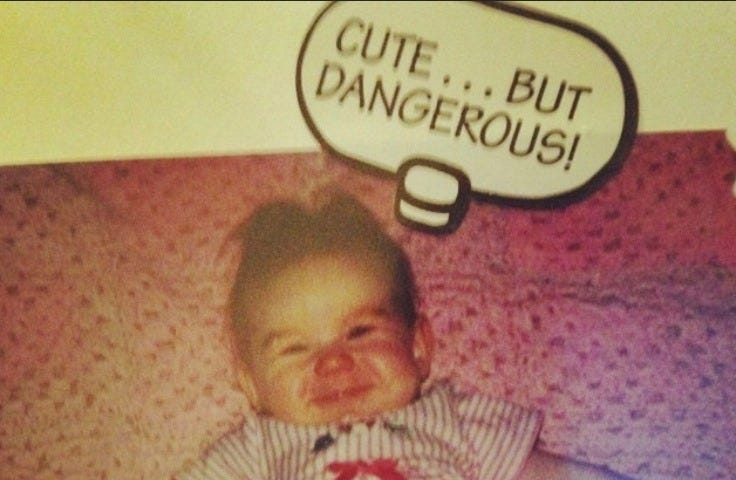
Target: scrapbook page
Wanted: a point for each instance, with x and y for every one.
(469, 232)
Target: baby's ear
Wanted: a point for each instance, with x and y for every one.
(423, 346)
(247, 385)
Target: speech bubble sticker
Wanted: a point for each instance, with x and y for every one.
(457, 98)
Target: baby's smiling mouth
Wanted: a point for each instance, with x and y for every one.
(332, 396)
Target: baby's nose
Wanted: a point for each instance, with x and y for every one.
(334, 360)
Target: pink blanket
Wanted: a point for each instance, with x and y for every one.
(615, 315)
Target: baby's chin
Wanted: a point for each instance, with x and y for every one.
(335, 414)
(341, 415)
(362, 416)
(362, 407)
(357, 412)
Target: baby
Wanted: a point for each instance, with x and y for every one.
(333, 358)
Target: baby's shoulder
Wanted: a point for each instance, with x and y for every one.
(482, 410)
(236, 452)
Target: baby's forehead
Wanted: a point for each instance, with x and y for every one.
(317, 286)
(271, 328)
(314, 270)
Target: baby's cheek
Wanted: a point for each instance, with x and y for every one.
(392, 357)
(288, 383)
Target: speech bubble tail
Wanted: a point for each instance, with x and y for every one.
(426, 218)
(431, 195)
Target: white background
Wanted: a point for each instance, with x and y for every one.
(98, 81)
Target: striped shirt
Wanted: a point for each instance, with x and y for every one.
(442, 436)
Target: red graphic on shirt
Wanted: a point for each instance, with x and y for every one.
(385, 469)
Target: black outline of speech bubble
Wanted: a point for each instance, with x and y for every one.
(610, 167)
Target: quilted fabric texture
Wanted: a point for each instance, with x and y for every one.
(615, 315)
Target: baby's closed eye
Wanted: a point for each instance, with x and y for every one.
(293, 349)
(360, 331)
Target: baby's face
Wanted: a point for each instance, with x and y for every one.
(326, 346)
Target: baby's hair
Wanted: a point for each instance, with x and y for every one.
(279, 235)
